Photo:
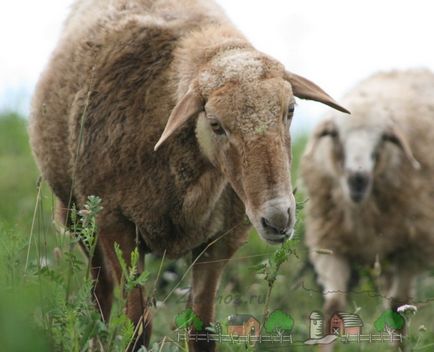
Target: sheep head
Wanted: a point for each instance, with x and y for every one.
(244, 103)
(359, 149)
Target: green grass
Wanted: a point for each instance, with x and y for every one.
(45, 301)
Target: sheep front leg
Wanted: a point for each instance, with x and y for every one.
(206, 275)
(333, 275)
(401, 286)
(106, 265)
(399, 292)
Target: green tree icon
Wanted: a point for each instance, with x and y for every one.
(188, 319)
(389, 321)
(279, 323)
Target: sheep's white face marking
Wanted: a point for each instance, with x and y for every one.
(360, 148)
(244, 132)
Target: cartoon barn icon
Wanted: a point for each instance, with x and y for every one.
(243, 325)
(345, 323)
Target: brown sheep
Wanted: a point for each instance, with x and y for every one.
(370, 183)
(128, 77)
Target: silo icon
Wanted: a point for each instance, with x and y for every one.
(316, 325)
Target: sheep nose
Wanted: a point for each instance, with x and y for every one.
(278, 221)
(358, 183)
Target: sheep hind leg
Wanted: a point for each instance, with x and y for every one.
(206, 273)
(106, 273)
(111, 275)
(103, 284)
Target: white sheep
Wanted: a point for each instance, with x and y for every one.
(370, 184)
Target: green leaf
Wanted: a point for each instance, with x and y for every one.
(260, 268)
(121, 260)
(183, 320)
(188, 319)
(391, 319)
(143, 277)
(379, 324)
(394, 320)
(197, 323)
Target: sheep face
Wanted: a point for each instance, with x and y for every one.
(244, 132)
(244, 102)
(359, 161)
(361, 151)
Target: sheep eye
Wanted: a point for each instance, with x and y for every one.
(216, 127)
(332, 133)
(290, 112)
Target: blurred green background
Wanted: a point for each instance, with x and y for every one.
(45, 299)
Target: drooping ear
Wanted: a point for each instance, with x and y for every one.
(395, 136)
(305, 89)
(325, 128)
(190, 104)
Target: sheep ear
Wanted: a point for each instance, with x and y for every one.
(305, 89)
(395, 136)
(191, 104)
(325, 128)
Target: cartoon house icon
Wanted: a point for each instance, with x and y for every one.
(316, 325)
(243, 325)
(345, 323)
